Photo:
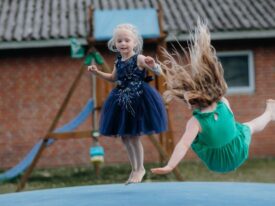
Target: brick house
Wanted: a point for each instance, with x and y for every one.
(36, 70)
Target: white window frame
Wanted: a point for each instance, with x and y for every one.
(251, 72)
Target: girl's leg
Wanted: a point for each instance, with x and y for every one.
(259, 123)
(139, 156)
(131, 156)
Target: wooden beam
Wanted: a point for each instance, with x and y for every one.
(166, 139)
(26, 175)
(71, 135)
(90, 21)
(165, 156)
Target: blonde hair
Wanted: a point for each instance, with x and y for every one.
(131, 28)
(200, 82)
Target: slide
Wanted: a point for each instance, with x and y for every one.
(26, 162)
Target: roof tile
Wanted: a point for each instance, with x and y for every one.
(61, 19)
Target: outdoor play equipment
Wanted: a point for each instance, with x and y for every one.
(149, 23)
(70, 126)
(97, 153)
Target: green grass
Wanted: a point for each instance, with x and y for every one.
(257, 170)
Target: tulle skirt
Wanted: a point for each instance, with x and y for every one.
(145, 115)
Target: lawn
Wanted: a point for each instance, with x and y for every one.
(256, 170)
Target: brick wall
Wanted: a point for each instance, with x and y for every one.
(33, 84)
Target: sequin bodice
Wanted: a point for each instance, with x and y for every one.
(129, 82)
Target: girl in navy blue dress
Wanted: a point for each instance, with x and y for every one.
(133, 108)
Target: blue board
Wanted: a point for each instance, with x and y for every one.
(146, 21)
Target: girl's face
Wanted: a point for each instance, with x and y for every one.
(125, 42)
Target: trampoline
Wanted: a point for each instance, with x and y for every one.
(143, 194)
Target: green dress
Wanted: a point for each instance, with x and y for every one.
(223, 143)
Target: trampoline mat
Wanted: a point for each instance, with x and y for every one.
(143, 194)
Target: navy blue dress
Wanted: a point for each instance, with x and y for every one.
(133, 107)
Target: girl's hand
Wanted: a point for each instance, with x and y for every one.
(149, 61)
(93, 69)
(162, 170)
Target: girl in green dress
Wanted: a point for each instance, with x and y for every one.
(212, 132)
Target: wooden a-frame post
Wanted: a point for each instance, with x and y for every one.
(53, 125)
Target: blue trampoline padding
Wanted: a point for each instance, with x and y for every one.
(146, 21)
(149, 194)
(25, 163)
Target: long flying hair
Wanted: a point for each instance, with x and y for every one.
(200, 81)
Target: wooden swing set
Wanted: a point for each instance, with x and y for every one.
(164, 145)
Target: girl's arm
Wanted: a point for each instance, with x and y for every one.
(103, 75)
(149, 63)
(192, 129)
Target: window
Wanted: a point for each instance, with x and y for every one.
(238, 71)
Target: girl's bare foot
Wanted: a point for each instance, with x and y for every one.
(129, 179)
(137, 176)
